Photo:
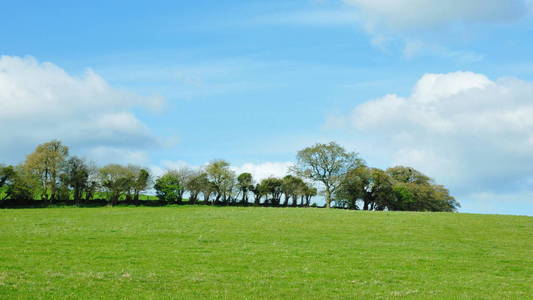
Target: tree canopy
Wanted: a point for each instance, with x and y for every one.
(327, 164)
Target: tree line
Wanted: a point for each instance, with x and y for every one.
(49, 174)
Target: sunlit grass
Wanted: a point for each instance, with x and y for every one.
(236, 253)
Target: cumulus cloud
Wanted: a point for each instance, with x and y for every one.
(471, 133)
(264, 170)
(41, 101)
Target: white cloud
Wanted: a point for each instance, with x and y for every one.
(40, 101)
(417, 25)
(469, 132)
(399, 15)
(259, 171)
(264, 170)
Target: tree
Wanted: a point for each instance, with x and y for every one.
(184, 174)
(93, 181)
(292, 187)
(222, 179)
(21, 184)
(309, 192)
(379, 194)
(408, 175)
(370, 185)
(272, 186)
(76, 176)
(116, 181)
(352, 187)
(417, 192)
(245, 183)
(169, 187)
(46, 163)
(327, 164)
(195, 185)
(140, 180)
(259, 190)
(7, 173)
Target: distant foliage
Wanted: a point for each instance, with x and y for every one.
(345, 181)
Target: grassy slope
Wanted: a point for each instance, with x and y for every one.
(185, 252)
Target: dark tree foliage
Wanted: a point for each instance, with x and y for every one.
(76, 177)
(272, 188)
(7, 173)
(168, 187)
(246, 184)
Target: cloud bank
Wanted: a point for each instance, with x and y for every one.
(41, 101)
(471, 133)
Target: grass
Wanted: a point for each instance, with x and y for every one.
(248, 253)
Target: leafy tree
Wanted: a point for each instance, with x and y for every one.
(208, 189)
(245, 183)
(21, 184)
(7, 173)
(140, 180)
(408, 175)
(292, 187)
(309, 192)
(76, 176)
(195, 185)
(46, 163)
(273, 186)
(379, 194)
(184, 174)
(327, 164)
(417, 192)
(259, 190)
(93, 181)
(222, 179)
(352, 187)
(116, 181)
(169, 187)
(371, 185)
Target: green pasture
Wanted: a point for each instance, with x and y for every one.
(186, 252)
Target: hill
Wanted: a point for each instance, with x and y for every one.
(237, 253)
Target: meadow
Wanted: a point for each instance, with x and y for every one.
(249, 252)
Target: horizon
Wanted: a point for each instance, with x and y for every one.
(445, 89)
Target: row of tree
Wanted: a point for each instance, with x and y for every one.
(51, 175)
(217, 184)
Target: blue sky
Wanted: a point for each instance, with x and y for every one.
(167, 83)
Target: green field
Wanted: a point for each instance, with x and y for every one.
(247, 253)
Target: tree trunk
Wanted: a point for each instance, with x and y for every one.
(244, 200)
(328, 198)
(136, 198)
(286, 201)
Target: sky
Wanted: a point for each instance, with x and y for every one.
(443, 86)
